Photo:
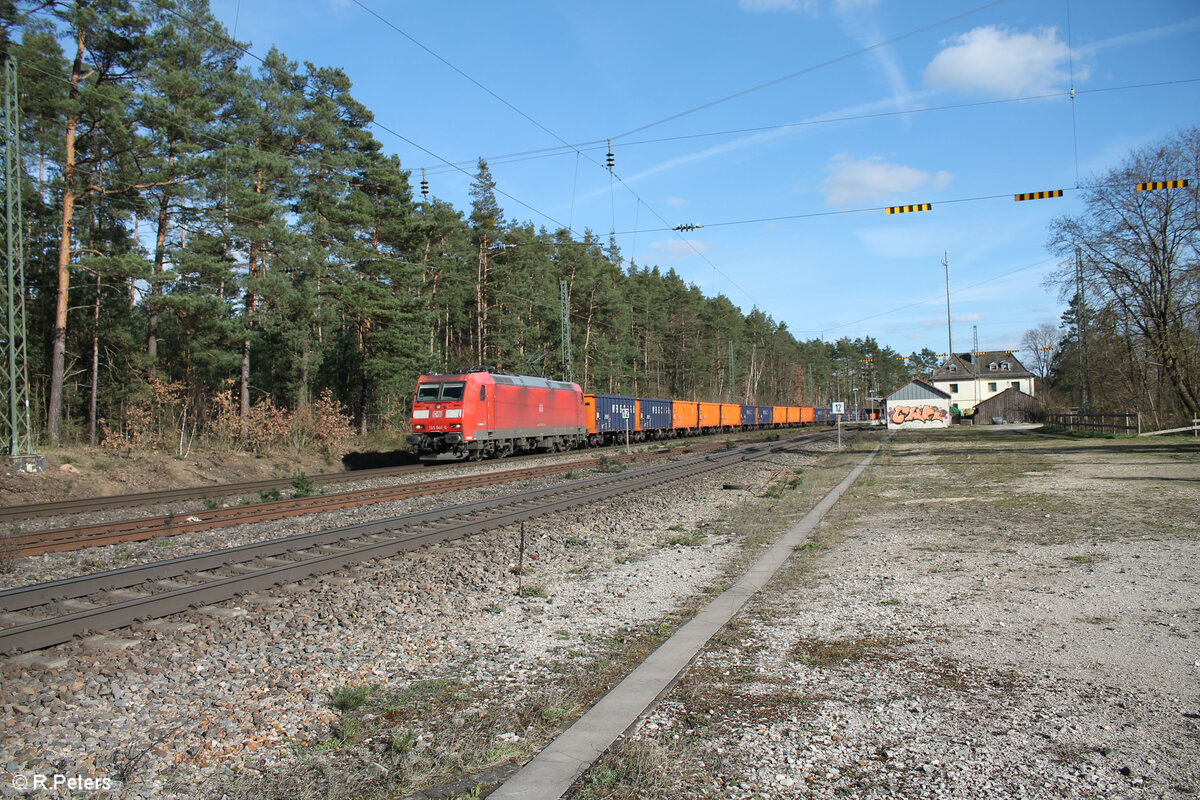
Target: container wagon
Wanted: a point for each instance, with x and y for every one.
(731, 416)
(685, 417)
(748, 416)
(654, 418)
(609, 417)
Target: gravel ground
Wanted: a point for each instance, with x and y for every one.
(982, 616)
(236, 699)
(1030, 631)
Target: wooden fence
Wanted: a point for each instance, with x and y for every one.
(1100, 423)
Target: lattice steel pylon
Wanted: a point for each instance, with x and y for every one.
(15, 425)
(565, 298)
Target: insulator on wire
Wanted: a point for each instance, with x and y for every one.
(610, 160)
(424, 185)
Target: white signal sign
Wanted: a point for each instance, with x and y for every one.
(838, 408)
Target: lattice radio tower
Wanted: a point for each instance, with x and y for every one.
(14, 366)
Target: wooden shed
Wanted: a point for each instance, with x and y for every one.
(918, 405)
(1011, 405)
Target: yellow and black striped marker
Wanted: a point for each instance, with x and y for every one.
(1037, 195)
(1155, 185)
(907, 209)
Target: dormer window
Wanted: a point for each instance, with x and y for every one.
(1005, 366)
(992, 366)
(953, 367)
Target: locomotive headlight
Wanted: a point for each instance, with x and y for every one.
(456, 426)
(418, 427)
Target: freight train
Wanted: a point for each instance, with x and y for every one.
(484, 414)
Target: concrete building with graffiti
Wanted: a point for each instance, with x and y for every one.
(971, 378)
(918, 405)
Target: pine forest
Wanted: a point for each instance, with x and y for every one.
(210, 247)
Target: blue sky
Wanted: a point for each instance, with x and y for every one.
(781, 126)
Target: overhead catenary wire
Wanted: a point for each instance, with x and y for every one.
(550, 152)
(741, 222)
(609, 161)
(809, 69)
(374, 122)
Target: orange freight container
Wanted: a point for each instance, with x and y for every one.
(779, 416)
(731, 415)
(710, 415)
(685, 414)
(793, 415)
(806, 414)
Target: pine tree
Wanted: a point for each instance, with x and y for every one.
(108, 48)
(180, 103)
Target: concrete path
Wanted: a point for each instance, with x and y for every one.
(553, 771)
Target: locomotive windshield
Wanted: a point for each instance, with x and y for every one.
(429, 392)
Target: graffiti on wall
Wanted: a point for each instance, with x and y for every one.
(902, 414)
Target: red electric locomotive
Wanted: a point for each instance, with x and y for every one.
(479, 413)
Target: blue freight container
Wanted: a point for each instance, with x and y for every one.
(764, 415)
(655, 414)
(748, 415)
(614, 414)
(821, 414)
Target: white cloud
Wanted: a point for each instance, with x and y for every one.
(997, 61)
(860, 181)
(676, 202)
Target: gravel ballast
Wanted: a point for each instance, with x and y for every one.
(236, 699)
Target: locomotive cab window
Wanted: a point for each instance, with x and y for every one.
(453, 391)
(428, 392)
(482, 393)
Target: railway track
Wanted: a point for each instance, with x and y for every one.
(43, 615)
(23, 511)
(77, 537)
(59, 508)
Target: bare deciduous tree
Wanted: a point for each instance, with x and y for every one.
(1139, 253)
(1038, 347)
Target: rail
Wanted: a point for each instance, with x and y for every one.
(140, 529)
(266, 564)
